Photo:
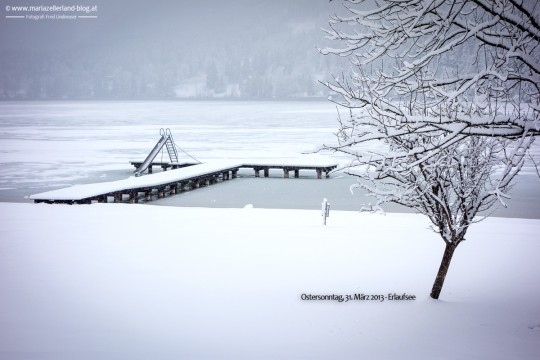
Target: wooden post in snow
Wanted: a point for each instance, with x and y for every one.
(325, 210)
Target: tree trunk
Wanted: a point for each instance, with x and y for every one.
(443, 269)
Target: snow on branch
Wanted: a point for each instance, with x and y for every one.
(451, 187)
(427, 66)
(444, 104)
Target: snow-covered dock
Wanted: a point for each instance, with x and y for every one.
(286, 165)
(164, 165)
(171, 182)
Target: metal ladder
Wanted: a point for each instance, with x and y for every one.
(171, 147)
(167, 141)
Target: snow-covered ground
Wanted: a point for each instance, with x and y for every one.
(114, 281)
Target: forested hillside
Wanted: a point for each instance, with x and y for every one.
(236, 49)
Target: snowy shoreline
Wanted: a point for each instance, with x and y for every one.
(138, 281)
(304, 193)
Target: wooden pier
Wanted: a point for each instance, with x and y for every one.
(164, 165)
(256, 166)
(290, 168)
(180, 178)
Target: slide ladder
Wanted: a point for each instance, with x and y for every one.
(165, 140)
(171, 147)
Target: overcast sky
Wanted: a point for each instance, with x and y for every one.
(122, 23)
(163, 48)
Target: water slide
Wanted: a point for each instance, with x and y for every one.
(165, 136)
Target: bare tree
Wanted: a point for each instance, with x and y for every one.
(451, 187)
(463, 67)
(448, 91)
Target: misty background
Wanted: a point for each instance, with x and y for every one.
(167, 50)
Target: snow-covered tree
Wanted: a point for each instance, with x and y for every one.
(451, 187)
(464, 67)
(448, 91)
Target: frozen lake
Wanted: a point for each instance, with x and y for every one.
(49, 145)
(45, 145)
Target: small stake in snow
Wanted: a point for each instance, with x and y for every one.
(325, 211)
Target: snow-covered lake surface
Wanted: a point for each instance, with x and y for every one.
(119, 281)
(53, 144)
(50, 145)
